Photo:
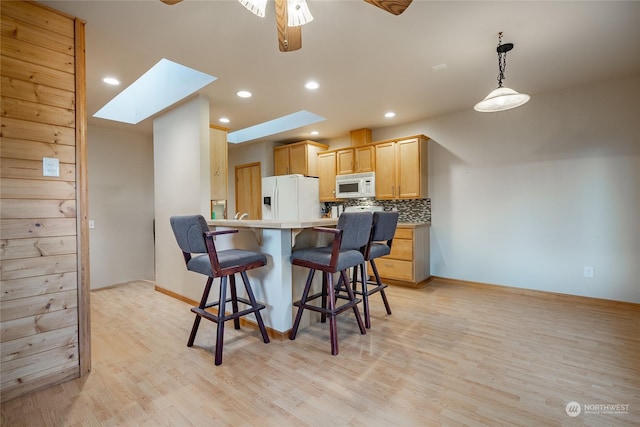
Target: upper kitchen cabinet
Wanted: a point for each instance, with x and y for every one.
(360, 137)
(345, 161)
(218, 162)
(386, 170)
(402, 168)
(327, 176)
(355, 160)
(299, 157)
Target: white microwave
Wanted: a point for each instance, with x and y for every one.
(356, 185)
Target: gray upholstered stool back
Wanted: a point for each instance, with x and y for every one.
(384, 225)
(189, 231)
(356, 229)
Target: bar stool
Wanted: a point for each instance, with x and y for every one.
(350, 238)
(382, 232)
(193, 236)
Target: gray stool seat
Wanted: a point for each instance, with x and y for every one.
(382, 232)
(227, 259)
(349, 242)
(347, 258)
(378, 249)
(193, 237)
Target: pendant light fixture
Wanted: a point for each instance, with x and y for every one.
(501, 98)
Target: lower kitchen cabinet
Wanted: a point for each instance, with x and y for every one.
(408, 262)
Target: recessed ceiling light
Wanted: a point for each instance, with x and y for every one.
(244, 94)
(111, 81)
(389, 114)
(312, 85)
(315, 132)
(223, 120)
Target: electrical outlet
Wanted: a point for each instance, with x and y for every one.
(588, 271)
(92, 224)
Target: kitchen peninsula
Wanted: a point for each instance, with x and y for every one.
(279, 283)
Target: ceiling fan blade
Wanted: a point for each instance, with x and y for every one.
(170, 2)
(289, 38)
(392, 6)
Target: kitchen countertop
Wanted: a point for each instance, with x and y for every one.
(413, 224)
(281, 225)
(290, 224)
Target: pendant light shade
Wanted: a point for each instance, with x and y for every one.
(257, 7)
(502, 98)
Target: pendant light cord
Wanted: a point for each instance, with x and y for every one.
(502, 60)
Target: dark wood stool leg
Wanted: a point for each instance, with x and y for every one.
(203, 303)
(303, 301)
(234, 300)
(365, 298)
(354, 279)
(352, 297)
(333, 326)
(254, 304)
(379, 283)
(323, 300)
(221, 319)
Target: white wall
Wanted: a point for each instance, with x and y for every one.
(120, 175)
(528, 197)
(182, 187)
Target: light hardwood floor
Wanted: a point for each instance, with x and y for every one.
(448, 355)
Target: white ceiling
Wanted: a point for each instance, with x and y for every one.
(367, 61)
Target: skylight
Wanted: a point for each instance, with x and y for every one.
(272, 127)
(163, 85)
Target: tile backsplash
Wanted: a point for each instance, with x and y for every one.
(418, 210)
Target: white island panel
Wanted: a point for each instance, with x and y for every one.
(278, 284)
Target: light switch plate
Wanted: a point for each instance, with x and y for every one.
(50, 166)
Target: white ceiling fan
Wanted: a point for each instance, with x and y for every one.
(292, 14)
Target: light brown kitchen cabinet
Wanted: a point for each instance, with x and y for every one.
(386, 170)
(355, 160)
(327, 176)
(345, 161)
(408, 262)
(402, 168)
(365, 158)
(218, 161)
(299, 157)
(359, 137)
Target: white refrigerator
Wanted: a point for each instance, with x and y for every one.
(290, 197)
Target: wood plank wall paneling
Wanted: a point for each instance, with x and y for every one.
(13, 149)
(32, 286)
(43, 236)
(32, 169)
(37, 208)
(30, 72)
(45, 95)
(37, 36)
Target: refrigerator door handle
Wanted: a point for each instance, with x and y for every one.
(274, 203)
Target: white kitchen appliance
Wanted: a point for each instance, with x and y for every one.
(290, 197)
(356, 185)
